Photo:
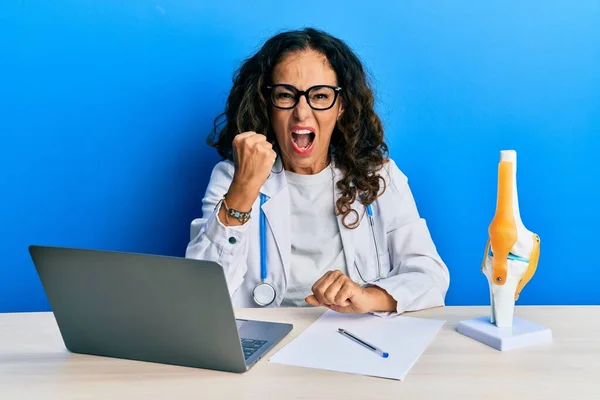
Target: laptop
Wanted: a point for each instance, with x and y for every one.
(150, 308)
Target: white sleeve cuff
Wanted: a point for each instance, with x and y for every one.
(228, 238)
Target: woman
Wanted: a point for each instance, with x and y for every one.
(339, 227)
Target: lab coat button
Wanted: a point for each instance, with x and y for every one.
(232, 240)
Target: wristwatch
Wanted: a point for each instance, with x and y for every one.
(241, 216)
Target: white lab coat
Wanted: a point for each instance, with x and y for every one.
(413, 272)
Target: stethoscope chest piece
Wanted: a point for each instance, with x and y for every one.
(264, 294)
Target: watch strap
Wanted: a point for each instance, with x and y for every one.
(242, 216)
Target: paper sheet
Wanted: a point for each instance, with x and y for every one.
(321, 346)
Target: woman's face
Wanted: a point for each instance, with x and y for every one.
(303, 134)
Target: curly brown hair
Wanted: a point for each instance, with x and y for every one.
(357, 142)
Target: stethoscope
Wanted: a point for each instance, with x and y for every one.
(264, 293)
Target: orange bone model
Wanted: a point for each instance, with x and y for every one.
(512, 251)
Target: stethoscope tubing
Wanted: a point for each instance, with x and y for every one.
(263, 249)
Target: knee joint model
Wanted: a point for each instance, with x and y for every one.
(512, 251)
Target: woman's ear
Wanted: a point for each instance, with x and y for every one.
(340, 112)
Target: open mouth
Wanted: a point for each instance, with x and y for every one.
(303, 140)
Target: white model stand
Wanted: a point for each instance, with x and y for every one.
(509, 262)
(521, 334)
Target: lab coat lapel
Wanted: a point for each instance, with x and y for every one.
(277, 213)
(347, 235)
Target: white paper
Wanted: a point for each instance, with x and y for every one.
(321, 346)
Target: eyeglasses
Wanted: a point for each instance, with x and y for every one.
(320, 97)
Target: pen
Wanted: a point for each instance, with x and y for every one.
(363, 343)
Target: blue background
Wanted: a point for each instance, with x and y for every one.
(105, 107)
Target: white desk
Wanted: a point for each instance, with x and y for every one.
(35, 364)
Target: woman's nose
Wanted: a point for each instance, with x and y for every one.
(302, 109)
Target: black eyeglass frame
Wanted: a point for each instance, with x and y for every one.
(300, 93)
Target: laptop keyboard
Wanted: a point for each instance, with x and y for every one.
(250, 346)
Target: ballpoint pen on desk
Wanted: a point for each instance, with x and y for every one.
(363, 343)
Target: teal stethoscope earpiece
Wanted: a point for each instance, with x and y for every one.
(372, 224)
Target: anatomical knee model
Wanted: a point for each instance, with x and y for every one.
(512, 251)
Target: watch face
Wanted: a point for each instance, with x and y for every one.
(240, 216)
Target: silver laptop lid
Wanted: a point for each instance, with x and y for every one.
(141, 307)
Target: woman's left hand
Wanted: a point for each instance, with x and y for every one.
(338, 292)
